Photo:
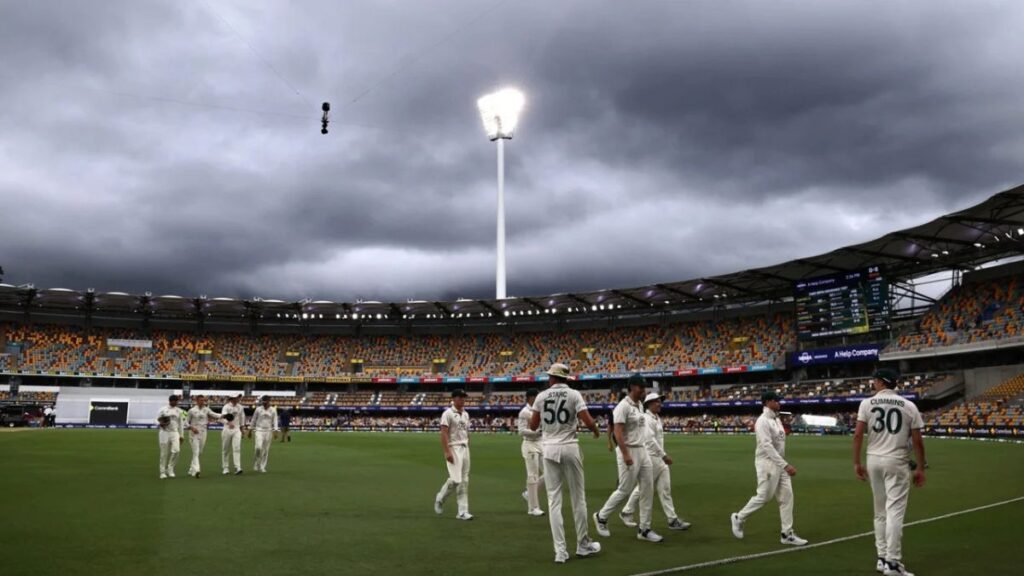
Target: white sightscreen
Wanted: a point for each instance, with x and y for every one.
(73, 403)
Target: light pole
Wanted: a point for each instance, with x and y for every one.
(500, 113)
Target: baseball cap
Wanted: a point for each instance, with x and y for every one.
(771, 395)
(559, 370)
(887, 375)
(652, 397)
(264, 398)
(532, 392)
(459, 393)
(636, 380)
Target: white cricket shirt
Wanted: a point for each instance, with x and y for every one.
(559, 406)
(200, 417)
(655, 443)
(174, 413)
(264, 419)
(239, 413)
(889, 418)
(523, 425)
(771, 439)
(458, 426)
(629, 414)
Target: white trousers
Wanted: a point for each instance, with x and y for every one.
(264, 438)
(533, 456)
(563, 466)
(170, 446)
(458, 478)
(890, 486)
(640, 475)
(662, 486)
(772, 482)
(231, 446)
(198, 444)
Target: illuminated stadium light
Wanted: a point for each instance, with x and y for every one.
(500, 114)
(594, 307)
(355, 316)
(1020, 231)
(979, 245)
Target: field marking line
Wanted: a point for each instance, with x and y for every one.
(735, 559)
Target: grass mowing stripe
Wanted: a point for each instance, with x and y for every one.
(735, 559)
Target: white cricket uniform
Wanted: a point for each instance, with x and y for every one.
(889, 419)
(198, 418)
(231, 436)
(458, 471)
(655, 446)
(170, 437)
(264, 424)
(559, 407)
(641, 473)
(533, 455)
(770, 464)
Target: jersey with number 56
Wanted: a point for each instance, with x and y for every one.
(558, 407)
(889, 418)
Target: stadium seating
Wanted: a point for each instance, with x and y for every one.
(1000, 406)
(71, 349)
(970, 313)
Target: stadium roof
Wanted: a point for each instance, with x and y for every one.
(988, 232)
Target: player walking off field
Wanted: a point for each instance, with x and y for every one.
(557, 411)
(285, 417)
(634, 463)
(533, 455)
(198, 421)
(889, 420)
(171, 427)
(231, 435)
(455, 442)
(655, 446)
(264, 424)
(773, 472)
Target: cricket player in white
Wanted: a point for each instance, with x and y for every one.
(533, 455)
(231, 435)
(264, 424)
(198, 421)
(171, 429)
(634, 463)
(557, 411)
(455, 441)
(661, 461)
(773, 472)
(889, 420)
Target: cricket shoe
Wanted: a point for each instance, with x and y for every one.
(225, 471)
(677, 524)
(737, 526)
(438, 507)
(627, 519)
(561, 557)
(464, 516)
(587, 548)
(526, 496)
(263, 470)
(536, 512)
(896, 569)
(648, 535)
(880, 566)
(196, 475)
(163, 476)
(170, 474)
(792, 539)
(602, 526)
(238, 472)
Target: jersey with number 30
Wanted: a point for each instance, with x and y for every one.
(889, 418)
(558, 407)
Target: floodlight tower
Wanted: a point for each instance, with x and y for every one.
(500, 113)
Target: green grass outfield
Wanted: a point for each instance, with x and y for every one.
(90, 502)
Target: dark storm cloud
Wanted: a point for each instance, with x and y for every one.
(162, 145)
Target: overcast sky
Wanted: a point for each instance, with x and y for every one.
(175, 146)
